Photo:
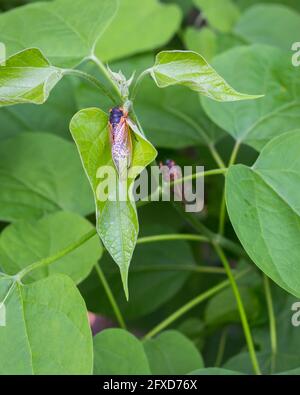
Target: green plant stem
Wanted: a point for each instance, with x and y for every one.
(215, 154)
(222, 216)
(110, 296)
(272, 321)
(107, 76)
(221, 348)
(51, 259)
(10, 289)
(190, 305)
(176, 268)
(92, 80)
(241, 309)
(167, 237)
(206, 173)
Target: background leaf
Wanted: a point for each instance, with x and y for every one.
(172, 353)
(47, 330)
(41, 173)
(25, 242)
(263, 206)
(155, 23)
(258, 69)
(151, 281)
(117, 351)
(220, 14)
(50, 21)
(270, 24)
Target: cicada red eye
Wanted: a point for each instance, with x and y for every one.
(121, 143)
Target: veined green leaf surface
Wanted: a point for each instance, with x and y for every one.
(27, 77)
(190, 69)
(47, 330)
(117, 221)
(263, 205)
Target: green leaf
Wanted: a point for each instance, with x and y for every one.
(52, 117)
(203, 41)
(51, 21)
(41, 173)
(270, 24)
(174, 118)
(47, 330)
(25, 242)
(214, 372)
(269, 71)
(263, 206)
(208, 42)
(220, 14)
(190, 69)
(117, 222)
(243, 4)
(117, 351)
(222, 308)
(27, 77)
(155, 23)
(153, 283)
(172, 353)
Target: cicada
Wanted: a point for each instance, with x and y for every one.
(120, 139)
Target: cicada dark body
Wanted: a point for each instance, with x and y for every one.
(120, 139)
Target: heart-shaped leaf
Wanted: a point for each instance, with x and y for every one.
(263, 205)
(41, 173)
(47, 330)
(258, 68)
(25, 242)
(27, 77)
(190, 69)
(117, 351)
(66, 31)
(117, 221)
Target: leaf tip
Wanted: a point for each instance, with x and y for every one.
(124, 277)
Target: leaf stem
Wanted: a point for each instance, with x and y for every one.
(110, 296)
(190, 305)
(215, 154)
(175, 268)
(167, 237)
(103, 69)
(241, 309)
(92, 80)
(60, 254)
(272, 321)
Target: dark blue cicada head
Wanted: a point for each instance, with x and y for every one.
(116, 114)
